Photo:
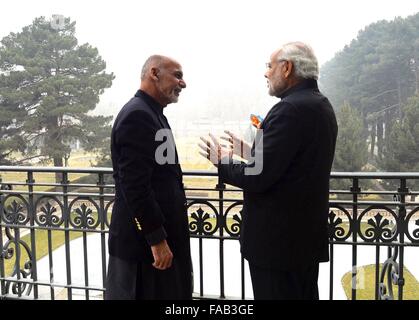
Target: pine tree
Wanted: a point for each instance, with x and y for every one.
(376, 73)
(10, 138)
(48, 85)
(402, 146)
(351, 148)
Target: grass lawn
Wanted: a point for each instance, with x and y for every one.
(78, 159)
(366, 289)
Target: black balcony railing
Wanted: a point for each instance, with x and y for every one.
(53, 235)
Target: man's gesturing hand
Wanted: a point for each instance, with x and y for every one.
(237, 145)
(162, 255)
(213, 150)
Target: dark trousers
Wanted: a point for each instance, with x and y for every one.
(276, 284)
(127, 280)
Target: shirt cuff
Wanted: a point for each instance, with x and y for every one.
(156, 236)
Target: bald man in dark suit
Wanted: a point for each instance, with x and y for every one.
(149, 248)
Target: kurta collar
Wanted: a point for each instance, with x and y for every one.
(150, 100)
(305, 84)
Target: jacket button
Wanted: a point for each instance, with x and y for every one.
(138, 224)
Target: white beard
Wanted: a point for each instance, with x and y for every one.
(174, 98)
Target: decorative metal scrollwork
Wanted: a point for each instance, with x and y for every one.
(391, 271)
(26, 272)
(84, 217)
(201, 224)
(17, 211)
(336, 224)
(412, 235)
(235, 227)
(105, 214)
(381, 229)
(7, 253)
(48, 215)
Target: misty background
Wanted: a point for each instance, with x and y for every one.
(222, 45)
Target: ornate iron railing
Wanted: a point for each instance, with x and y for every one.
(53, 235)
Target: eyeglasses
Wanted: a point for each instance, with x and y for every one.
(269, 66)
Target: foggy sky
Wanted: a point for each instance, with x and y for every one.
(222, 44)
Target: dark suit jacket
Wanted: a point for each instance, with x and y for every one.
(286, 206)
(150, 203)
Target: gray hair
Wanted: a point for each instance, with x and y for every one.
(303, 58)
(152, 61)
